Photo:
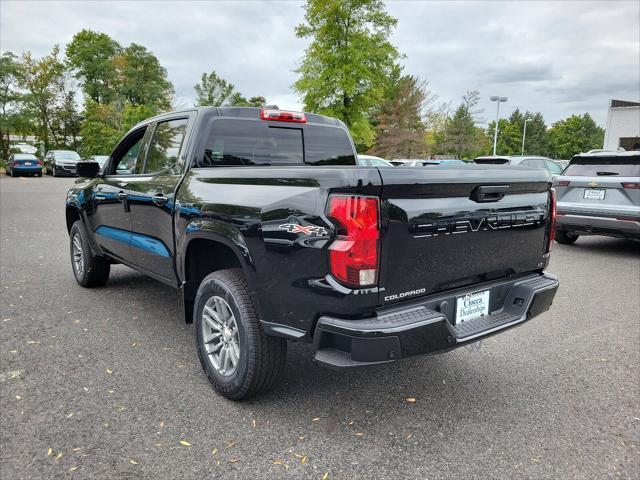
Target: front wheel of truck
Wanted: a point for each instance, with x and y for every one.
(90, 270)
(238, 358)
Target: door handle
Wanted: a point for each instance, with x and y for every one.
(159, 199)
(124, 196)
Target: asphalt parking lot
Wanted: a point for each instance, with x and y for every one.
(106, 383)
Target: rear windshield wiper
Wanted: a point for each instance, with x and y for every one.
(607, 173)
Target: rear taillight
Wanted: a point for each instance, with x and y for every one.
(630, 185)
(552, 216)
(39, 163)
(353, 256)
(561, 183)
(282, 115)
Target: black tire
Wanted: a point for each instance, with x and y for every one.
(53, 171)
(262, 357)
(9, 173)
(39, 174)
(566, 238)
(95, 269)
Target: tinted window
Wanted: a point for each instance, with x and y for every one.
(165, 145)
(242, 142)
(328, 146)
(627, 170)
(128, 156)
(66, 155)
(553, 167)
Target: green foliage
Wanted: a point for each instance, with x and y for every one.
(347, 66)
(399, 125)
(141, 78)
(462, 135)
(101, 129)
(91, 55)
(576, 134)
(511, 131)
(12, 118)
(215, 91)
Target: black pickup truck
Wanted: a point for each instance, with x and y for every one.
(263, 221)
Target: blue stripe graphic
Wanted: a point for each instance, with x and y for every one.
(136, 240)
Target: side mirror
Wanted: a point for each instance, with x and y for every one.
(88, 169)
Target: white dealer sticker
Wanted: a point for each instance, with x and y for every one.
(471, 306)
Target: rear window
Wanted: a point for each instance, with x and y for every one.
(580, 170)
(24, 156)
(249, 143)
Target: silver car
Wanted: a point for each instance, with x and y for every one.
(599, 194)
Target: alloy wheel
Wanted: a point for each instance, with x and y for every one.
(78, 257)
(220, 335)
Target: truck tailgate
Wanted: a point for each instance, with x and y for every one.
(449, 227)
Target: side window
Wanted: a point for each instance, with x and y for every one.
(128, 158)
(164, 147)
(553, 167)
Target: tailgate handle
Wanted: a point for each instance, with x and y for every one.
(489, 193)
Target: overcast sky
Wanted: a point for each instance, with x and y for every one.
(556, 58)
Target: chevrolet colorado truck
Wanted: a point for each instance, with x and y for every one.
(271, 232)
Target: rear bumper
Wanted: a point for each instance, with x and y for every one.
(599, 225)
(27, 168)
(424, 327)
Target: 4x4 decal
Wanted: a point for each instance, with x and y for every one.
(308, 230)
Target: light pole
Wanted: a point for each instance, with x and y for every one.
(495, 135)
(524, 134)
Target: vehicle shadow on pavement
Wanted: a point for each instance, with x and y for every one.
(620, 247)
(451, 382)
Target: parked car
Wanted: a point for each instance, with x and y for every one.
(100, 159)
(371, 161)
(23, 163)
(543, 163)
(61, 162)
(599, 194)
(412, 162)
(267, 241)
(562, 163)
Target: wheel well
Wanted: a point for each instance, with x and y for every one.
(203, 257)
(72, 217)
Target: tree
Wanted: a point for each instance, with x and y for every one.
(91, 54)
(141, 78)
(400, 127)
(349, 61)
(43, 81)
(11, 100)
(576, 134)
(462, 133)
(215, 91)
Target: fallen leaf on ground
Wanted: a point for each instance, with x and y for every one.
(70, 415)
(76, 449)
(214, 451)
(317, 419)
(109, 371)
(408, 436)
(359, 434)
(49, 452)
(132, 461)
(18, 397)
(410, 399)
(350, 423)
(325, 476)
(185, 443)
(73, 468)
(231, 445)
(234, 460)
(59, 456)
(303, 460)
(254, 423)
(13, 351)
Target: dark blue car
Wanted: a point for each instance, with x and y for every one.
(24, 163)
